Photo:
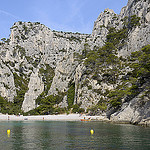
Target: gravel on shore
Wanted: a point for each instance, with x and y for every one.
(62, 117)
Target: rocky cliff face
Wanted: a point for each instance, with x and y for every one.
(38, 64)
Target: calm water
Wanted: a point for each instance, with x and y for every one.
(72, 136)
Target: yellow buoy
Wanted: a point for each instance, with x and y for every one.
(8, 131)
(92, 131)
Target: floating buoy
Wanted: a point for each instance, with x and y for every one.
(92, 131)
(8, 132)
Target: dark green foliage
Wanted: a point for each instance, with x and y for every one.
(18, 100)
(91, 59)
(3, 39)
(46, 110)
(37, 23)
(73, 38)
(25, 29)
(22, 87)
(101, 57)
(131, 22)
(89, 87)
(47, 77)
(20, 82)
(23, 37)
(98, 62)
(63, 50)
(40, 97)
(70, 95)
(106, 56)
(20, 22)
(21, 50)
(117, 38)
(124, 92)
(141, 72)
(2, 101)
(51, 100)
(41, 110)
(47, 105)
(111, 76)
(116, 96)
(76, 108)
(100, 106)
(141, 62)
(59, 110)
(9, 107)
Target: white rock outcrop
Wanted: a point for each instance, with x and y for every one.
(32, 46)
(36, 87)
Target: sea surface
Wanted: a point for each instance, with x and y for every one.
(59, 135)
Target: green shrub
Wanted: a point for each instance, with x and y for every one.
(70, 95)
(22, 86)
(9, 107)
(133, 22)
(21, 50)
(90, 87)
(76, 108)
(141, 62)
(52, 100)
(47, 77)
(117, 38)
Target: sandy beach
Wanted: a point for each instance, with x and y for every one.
(62, 117)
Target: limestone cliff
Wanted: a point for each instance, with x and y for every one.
(46, 70)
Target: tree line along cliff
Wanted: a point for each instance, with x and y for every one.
(105, 73)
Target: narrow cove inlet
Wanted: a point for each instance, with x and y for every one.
(65, 90)
(105, 73)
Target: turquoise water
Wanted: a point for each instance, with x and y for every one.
(49, 135)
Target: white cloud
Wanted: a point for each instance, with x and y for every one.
(8, 14)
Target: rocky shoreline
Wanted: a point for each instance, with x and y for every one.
(71, 117)
(61, 117)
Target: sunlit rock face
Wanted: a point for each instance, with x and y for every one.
(48, 62)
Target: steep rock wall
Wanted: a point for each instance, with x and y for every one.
(33, 47)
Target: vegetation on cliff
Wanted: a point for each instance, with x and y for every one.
(104, 61)
(102, 64)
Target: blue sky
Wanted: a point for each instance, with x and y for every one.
(60, 15)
